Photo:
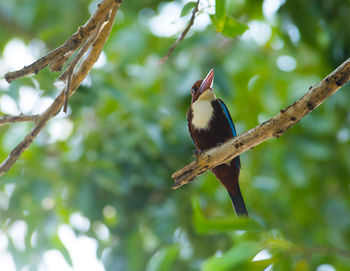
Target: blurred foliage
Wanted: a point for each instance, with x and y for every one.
(129, 135)
(225, 23)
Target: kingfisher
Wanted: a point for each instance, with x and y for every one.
(209, 123)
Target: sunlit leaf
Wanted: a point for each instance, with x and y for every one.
(258, 265)
(187, 8)
(233, 27)
(229, 26)
(220, 9)
(230, 223)
(278, 244)
(163, 259)
(233, 258)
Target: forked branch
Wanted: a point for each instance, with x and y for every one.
(274, 127)
(70, 45)
(93, 35)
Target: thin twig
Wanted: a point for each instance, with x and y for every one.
(57, 65)
(275, 127)
(183, 35)
(78, 77)
(68, 86)
(71, 67)
(20, 118)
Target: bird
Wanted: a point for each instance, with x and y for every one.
(210, 124)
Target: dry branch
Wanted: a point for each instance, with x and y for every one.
(274, 127)
(71, 44)
(68, 74)
(96, 32)
(20, 118)
(183, 34)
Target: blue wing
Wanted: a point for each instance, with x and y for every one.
(228, 116)
(233, 128)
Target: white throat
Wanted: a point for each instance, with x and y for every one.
(202, 110)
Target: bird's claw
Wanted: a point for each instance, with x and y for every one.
(196, 152)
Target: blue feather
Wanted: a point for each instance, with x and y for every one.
(229, 119)
(233, 128)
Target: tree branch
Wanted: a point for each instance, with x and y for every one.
(71, 44)
(106, 11)
(275, 127)
(20, 118)
(68, 74)
(183, 35)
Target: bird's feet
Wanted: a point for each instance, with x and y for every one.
(196, 152)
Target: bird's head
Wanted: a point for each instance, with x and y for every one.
(203, 89)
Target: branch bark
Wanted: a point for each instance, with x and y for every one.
(20, 118)
(275, 127)
(68, 74)
(70, 45)
(104, 16)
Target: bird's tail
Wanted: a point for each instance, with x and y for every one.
(238, 203)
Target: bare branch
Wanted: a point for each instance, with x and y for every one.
(67, 90)
(183, 35)
(95, 51)
(20, 118)
(68, 74)
(275, 127)
(56, 65)
(71, 44)
(86, 65)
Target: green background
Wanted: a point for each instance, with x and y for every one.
(129, 135)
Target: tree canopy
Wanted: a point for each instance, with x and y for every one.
(94, 189)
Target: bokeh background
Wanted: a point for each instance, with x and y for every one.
(93, 192)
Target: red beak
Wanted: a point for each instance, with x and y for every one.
(207, 82)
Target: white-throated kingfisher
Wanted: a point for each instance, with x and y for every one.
(210, 124)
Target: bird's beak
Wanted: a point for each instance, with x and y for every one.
(207, 82)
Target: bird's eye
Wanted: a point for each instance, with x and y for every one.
(194, 89)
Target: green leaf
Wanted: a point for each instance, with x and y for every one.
(163, 259)
(229, 26)
(204, 225)
(220, 9)
(187, 8)
(220, 15)
(278, 244)
(233, 27)
(235, 257)
(258, 265)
